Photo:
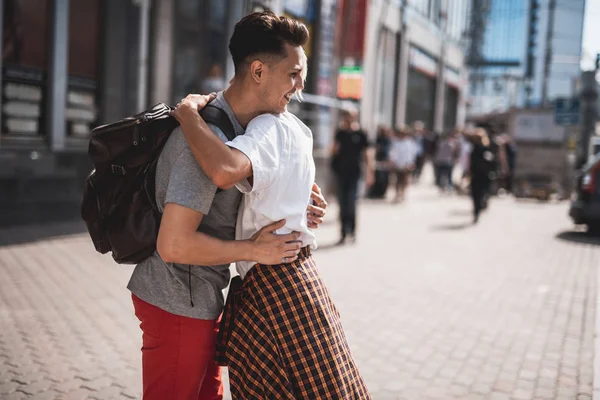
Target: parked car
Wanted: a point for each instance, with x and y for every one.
(585, 203)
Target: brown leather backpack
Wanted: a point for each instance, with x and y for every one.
(119, 200)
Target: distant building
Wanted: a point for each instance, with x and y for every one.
(508, 57)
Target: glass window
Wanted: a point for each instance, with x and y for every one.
(451, 106)
(387, 68)
(201, 36)
(25, 55)
(82, 66)
(420, 98)
(421, 6)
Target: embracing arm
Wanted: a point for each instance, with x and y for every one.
(179, 242)
(223, 165)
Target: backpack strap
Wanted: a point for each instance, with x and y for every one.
(218, 117)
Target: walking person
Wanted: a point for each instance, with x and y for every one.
(272, 164)
(177, 292)
(383, 144)
(481, 164)
(511, 159)
(445, 157)
(402, 162)
(349, 152)
(465, 145)
(421, 141)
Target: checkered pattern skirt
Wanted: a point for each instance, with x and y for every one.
(281, 337)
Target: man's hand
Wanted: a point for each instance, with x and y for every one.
(316, 212)
(191, 104)
(271, 249)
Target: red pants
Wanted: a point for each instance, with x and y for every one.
(177, 355)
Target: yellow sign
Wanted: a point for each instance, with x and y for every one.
(350, 83)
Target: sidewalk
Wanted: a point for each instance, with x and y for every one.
(433, 307)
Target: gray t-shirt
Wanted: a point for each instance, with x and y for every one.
(180, 180)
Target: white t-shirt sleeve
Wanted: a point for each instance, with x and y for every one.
(265, 144)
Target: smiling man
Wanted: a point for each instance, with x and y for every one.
(177, 293)
(281, 335)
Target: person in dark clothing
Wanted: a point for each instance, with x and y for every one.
(422, 142)
(383, 145)
(350, 150)
(481, 165)
(511, 160)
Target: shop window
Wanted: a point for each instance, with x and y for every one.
(200, 52)
(420, 98)
(84, 31)
(387, 76)
(451, 107)
(24, 56)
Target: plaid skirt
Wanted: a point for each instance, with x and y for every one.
(281, 337)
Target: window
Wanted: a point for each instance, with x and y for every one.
(421, 6)
(25, 56)
(387, 76)
(420, 98)
(82, 66)
(451, 106)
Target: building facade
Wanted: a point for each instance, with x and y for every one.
(523, 53)
(68, 66)
(414, 63)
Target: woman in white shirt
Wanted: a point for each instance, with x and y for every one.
(281, 336)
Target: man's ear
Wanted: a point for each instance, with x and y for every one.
(257, 71)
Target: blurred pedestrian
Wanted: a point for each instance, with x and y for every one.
(511, 151)
(481, 166)
(349, 152)
(402, 161)
(422, 144)
(445, 157)
(383, 144)
(466, 145)
(214, 81)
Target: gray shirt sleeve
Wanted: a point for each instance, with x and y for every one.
(188, 184)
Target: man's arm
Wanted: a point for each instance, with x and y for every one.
(180, 242)
(223, 165)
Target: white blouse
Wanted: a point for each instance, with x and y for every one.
(279, 147)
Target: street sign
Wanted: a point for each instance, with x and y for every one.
(350, 83)
(566, 111)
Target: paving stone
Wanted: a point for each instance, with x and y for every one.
(501, 309)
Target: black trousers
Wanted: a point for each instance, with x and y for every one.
(347, 196)
(479, 192)
(379, 188)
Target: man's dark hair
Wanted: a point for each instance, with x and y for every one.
(264, 34)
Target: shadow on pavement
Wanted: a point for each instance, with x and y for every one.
(460, 213)
(579, 237)
(34, 233)
(452, 227)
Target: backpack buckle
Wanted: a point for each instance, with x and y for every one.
(117, 169)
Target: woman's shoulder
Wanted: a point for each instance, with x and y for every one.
(264, 121)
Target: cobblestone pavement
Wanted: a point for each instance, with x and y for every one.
(433, 307)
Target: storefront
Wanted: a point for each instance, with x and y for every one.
(420, 97)
(452, 90)
(28, 61)
(200, 53)
(69, 65)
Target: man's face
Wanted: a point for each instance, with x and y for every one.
(283, 79)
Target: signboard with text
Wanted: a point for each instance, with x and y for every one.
(566, 111)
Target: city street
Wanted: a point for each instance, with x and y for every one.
(434, 307)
